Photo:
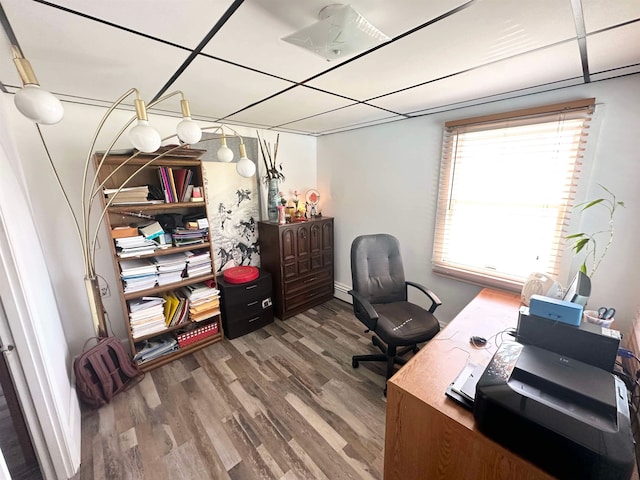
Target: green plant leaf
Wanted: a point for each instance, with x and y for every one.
(575, 235)
(621, 204)
(592, 203)
(583, 268)
(580, 244)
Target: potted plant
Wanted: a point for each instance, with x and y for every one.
(587, 242)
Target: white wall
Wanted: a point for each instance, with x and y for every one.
(68, 142)
(384, 179)
(42, 369)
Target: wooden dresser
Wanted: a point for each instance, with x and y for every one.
(299, 256)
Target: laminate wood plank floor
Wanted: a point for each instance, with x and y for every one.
(280, 403)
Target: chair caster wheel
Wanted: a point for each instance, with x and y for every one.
(355, 363)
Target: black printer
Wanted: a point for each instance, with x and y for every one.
(568, 417)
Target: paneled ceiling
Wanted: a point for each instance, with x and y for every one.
(228, 57)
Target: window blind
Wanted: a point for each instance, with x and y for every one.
(507, 185)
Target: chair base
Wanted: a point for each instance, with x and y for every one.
(389, 354)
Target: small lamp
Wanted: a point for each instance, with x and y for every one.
(188, 131)
(143, 136)
(32, 101)
(245, 167)
(225, 154)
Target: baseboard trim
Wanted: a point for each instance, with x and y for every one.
(341, 292)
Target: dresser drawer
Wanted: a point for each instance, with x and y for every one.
(307, 282)
(245, 294)
(238, 327)
(308, 297)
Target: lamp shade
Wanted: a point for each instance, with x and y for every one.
(189, 131)
(144, 137)
(245, 167)
(225, 154)
(38, 105)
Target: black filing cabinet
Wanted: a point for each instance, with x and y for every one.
(246, 306)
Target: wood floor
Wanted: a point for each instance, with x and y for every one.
(279, 403)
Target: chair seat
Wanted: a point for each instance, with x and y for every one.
(404, 323)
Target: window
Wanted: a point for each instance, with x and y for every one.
(507, 185)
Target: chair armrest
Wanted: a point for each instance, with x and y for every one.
(361, 304)
(435, 301)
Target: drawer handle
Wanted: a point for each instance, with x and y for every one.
(250, 287)
(254, 319)
(309, 280)
(252, 303)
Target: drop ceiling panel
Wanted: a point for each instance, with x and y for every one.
(297, 103)
(612, 48)
(343, 118)
(600, 14)
(548, 65)
(217, 89)
(75, 56)
(253, 35)
(492, 30)
(181, 22)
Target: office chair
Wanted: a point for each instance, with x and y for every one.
(380, 301)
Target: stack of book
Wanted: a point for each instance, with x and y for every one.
(176, 309)
(138, 274)
(199, 262)
(155, 348)
(127, 195)
(134, 246)
(146, 316)
(171, 268)
(188, 236)
(204, 301)
(176, 183)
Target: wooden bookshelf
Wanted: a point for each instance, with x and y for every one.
(121, 170)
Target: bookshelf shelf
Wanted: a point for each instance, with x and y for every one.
(163, 360)
(121, 170)
(153, 207)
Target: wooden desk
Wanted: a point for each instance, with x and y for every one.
(428, 435)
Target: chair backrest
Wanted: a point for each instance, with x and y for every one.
(377, 272)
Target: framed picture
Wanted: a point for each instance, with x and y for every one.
(233, 206)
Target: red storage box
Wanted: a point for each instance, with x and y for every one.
(241, 274)
(192, 336)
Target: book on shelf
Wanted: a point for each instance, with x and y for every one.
(170, 306)
(152, 230)
(152, 349)
(137, 266)
(172, 185)
(176, 183)
(188, 193)
(141, 283)
(134, 246)
(127, 195)
(144, 303)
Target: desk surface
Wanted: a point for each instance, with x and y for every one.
(430, 436)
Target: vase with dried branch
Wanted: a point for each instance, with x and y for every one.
(273, 176)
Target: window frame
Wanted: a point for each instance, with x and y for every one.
(580, 109)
